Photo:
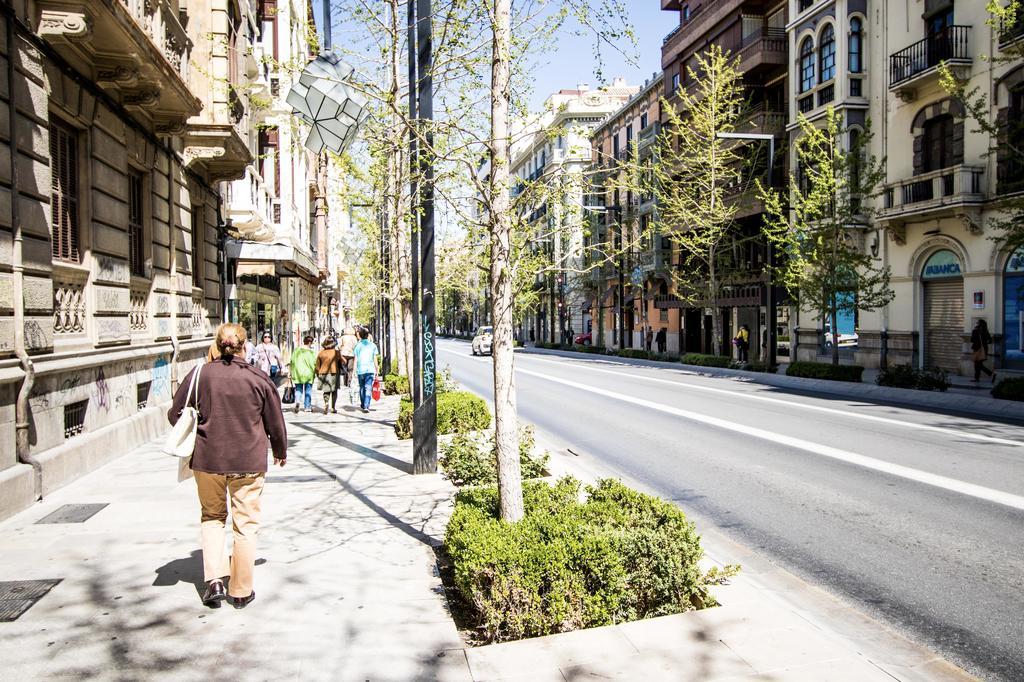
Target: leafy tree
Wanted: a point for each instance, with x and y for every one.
(695, 173)
(820, 230)
(1006, 137)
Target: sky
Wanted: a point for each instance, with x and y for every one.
(573, 62)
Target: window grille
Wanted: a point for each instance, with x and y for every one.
(74, 418)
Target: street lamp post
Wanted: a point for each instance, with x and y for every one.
(772, 313)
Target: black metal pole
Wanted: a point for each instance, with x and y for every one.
(425, 415)
(622, 280)
(773, 313)
(386, 261)
(327, 25)
(414, 199)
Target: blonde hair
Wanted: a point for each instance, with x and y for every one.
(214, 352)
(231, 339)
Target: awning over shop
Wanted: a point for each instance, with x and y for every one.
(283, 260)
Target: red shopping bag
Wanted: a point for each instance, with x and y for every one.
(375, 393)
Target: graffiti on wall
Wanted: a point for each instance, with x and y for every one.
(161, 378)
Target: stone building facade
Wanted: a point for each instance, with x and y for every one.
(124, 126)
(943, 188)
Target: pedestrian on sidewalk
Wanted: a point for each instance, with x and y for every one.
(328, 365)
(303, 370)
(348, 357)
(649, 338)
(367, 366)
(239, 411)
(743, 343)
(660, 339)
(268, 356)
(980, 341)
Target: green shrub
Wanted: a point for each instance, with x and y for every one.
(403, 424)
(586, 348)
(905, 376)
(1009, 389)
(637, 353)
(825, 370)
(395, 384)
(570, 564)
(471, 458)
(665, 357)
(457, 412)
(703, 360)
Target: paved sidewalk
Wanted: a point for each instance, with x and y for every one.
(347, 589)
(346, 586)
(964, 397)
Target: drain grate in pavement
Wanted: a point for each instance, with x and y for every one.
(72, 513)
(18, 596)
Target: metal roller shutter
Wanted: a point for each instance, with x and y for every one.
(944, 323)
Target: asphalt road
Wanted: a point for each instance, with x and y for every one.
(914, 517)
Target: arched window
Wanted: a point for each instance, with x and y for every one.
(827, 55)
(806, 65)
(856, 45)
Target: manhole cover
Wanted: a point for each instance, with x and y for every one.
(72, 513)
(18, 596)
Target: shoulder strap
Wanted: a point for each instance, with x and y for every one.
(193, 387)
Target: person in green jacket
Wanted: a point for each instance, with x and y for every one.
(302, 372)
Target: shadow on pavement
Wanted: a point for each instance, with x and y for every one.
(376, 455)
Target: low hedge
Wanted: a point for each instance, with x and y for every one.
(618, 555)
(395, 384)
(905, 376)
(457, 412)
(636, 353)
(825, 370)
(471, 459)
(1009, 389)
(703, 360)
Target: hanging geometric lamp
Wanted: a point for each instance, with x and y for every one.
(325, 99)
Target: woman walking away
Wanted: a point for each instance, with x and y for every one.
(268, 356)
(348, 356)
(367, 366)
(980, 340)
(328, 364)
(303, 369)
(238, 412)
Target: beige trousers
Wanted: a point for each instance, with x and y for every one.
(244, 493)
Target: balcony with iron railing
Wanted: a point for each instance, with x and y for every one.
(1011, 32)
(762, 119)
(933, 194)
(913, 65)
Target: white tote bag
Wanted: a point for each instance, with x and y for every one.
(181, 440)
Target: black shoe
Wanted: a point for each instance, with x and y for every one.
(214, 594)
(242, 602)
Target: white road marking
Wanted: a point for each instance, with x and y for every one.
(788, 403)
(944, 482)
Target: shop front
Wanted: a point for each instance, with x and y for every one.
(942, 293)
(1013, 312)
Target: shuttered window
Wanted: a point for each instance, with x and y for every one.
(64, 192)
(197, 246)
(136, 250)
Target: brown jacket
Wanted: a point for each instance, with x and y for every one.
(328, 361)
(238, 410)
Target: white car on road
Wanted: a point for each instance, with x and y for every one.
(482, 341)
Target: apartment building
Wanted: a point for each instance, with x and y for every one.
(880, 61)
(633, 268)
(553, 151)
(133, 167)
(754, 32)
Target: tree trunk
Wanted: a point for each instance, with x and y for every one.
(506, 431)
